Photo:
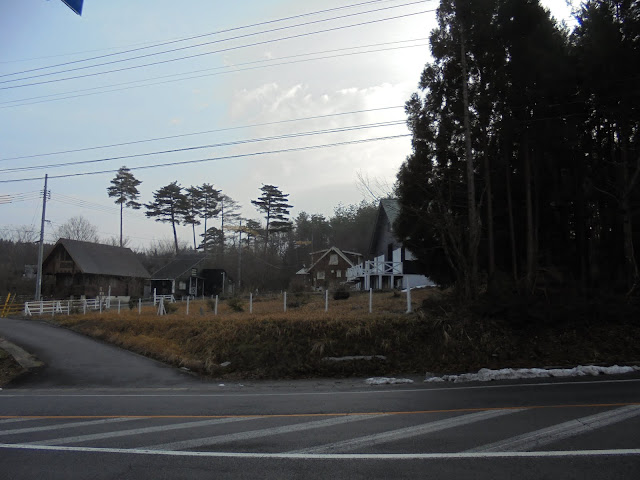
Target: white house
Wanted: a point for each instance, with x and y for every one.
(393, 266)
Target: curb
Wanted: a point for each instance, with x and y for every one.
(24, 358)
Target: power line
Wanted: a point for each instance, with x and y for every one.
(229, 69)
(202, 45)
(202, 54)
(185, 39)
(217, 130)
(200, 147)
(211, 159)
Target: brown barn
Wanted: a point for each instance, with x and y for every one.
(90, 269)
(329, 267)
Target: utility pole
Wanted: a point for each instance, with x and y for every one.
(239, 257)
(41, 247)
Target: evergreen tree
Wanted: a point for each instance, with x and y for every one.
(229, 214)
(193, 210)
(169, 206)
(209, 206)
(124, 187)
(273, 204)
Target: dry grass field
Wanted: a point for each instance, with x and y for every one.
(270, 343)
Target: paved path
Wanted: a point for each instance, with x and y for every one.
(73, 360)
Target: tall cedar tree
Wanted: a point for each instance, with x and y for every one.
(273, 204)
(124, 188)
(169, 206)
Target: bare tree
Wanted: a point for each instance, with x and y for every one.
(78, 228)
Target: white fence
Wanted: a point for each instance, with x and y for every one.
(52, 307)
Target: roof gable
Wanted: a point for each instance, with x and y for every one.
(335, 250)
(100, 259)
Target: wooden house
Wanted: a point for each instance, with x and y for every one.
(391, 265)
(189, 275)
(329, 267)
(93, 269)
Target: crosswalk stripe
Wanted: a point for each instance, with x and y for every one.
(65, 425)
(298, 427)
(539, 438)
(14, 420)
(408, 432)
(136, 431)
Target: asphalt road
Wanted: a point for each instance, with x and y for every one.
(140, 419)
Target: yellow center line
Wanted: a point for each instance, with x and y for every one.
(335, 414)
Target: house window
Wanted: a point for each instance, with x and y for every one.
(333, 259)
(320, 276)
(338, 273)
(182, 285)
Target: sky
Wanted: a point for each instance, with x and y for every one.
(307, 96)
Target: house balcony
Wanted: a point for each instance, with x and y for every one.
(371, 268)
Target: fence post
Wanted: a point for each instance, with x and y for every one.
(68, 307)
(161, 309)
(41, 307)
(370, 300)
(154, 297)
(84, 306)
(326, 300)
(409, 309)
(100, 302)
(251, 302)
(285, 301)
(139, 306)
(215, 308)
(118, 306)
(187, 305)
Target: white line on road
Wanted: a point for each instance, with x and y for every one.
(393, 389)
(408, 432)
(14, 420)
(65, 425)
(332, 456)
(539, 438)
(137, 431)
(265, 432)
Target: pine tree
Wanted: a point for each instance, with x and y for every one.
(169, 206)
(229, 214)
(124, 187)
(209, 207)
(193, 210)
(273, 204)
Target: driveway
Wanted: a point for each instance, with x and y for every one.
(73, 360)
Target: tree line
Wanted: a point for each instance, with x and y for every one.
(526, 159)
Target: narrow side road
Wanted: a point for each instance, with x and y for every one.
(73, 360)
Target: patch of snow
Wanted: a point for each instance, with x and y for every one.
(386, 380)
(486, 374)
(225, 364)
(221, 385)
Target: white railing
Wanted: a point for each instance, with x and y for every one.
(52, 307)
(371, 267)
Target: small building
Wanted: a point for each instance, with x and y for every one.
(93, 269)
(188, 275)
(392, 265)
(329, 267)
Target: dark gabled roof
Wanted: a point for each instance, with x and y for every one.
(179, 266)
(100, 259)
(391, 208)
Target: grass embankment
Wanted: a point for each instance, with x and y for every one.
(9, 368)
(440, 337)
